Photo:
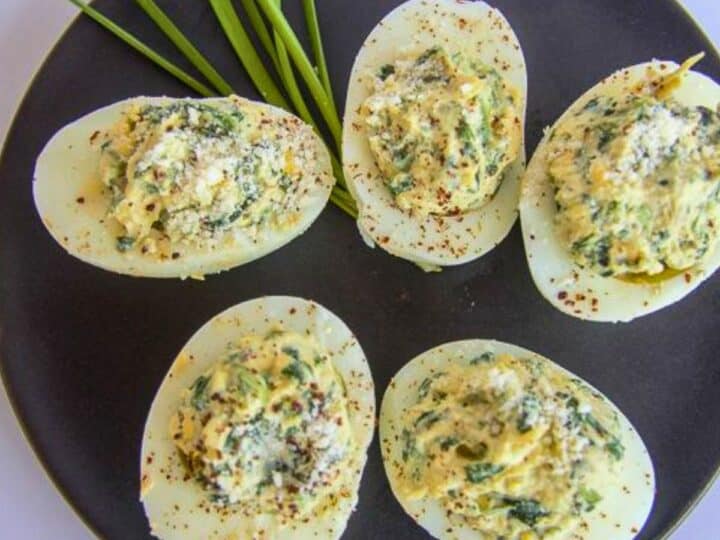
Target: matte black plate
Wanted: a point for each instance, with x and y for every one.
(83, 350)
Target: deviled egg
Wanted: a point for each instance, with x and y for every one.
(163, 187)
(620, 206)
(261, 427)
(482, 439)
(433, 142)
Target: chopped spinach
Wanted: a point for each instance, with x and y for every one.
(199, 399)
(220, 499)
(529, 411)
(447, 443)
(591, 105)
(485, 357)
(297, 369)
(409, 445)
(427, 419)
(385, 71)
(615, 448)
(124, 243)
(586, 499)
(424, 57)
(400, 183)
(479, 472)
(529, 511)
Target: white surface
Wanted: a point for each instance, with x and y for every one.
(30, 508)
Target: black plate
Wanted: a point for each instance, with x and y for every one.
(83, 350)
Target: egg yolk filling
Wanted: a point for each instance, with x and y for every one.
(509, 448)
(442, 129)
(191, 173)
(637, 185)
(267, 428)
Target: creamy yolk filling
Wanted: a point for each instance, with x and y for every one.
(442, 129)
(190, 173)
(267, 428)
(508, 447)
(637, 184)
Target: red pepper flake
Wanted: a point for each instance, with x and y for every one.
(688, 277)
(562, 295)
(580, 297)
(293, 311)
(175, 255)
(594, 302)
(80, 200)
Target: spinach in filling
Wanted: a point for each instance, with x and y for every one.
(637, 185)
(442, 128)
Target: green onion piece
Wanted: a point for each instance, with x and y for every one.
(188, 49)
(246, 53)
(313, 25)
(261, 30)
(139, 46)
(325, 105)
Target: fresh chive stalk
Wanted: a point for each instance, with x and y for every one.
(143, 49)
(245, 51)
(288, 78)
(305, 68)
(311, 20)
(185, 46)
(261, 30)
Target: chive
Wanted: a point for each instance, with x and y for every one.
(339, 199)
(325, 105)
(313, 25)
(293, 90)
(261, 30)
(288, 77)
(245, 51)
(185, 46)
(139, 46)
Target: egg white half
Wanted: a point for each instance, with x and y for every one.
(172, 503)
(481, 32)
(581, 292)
(626, 501)
(67, 172)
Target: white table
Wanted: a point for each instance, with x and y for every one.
(30, 507)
